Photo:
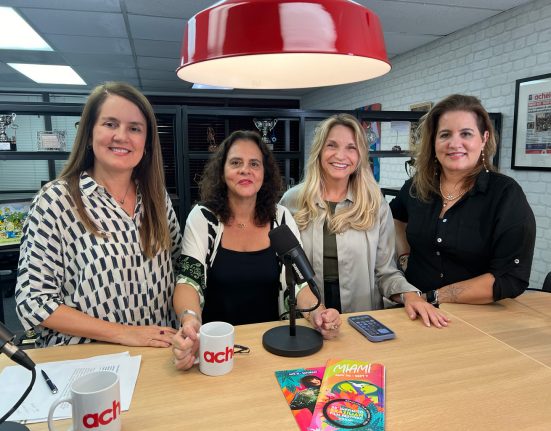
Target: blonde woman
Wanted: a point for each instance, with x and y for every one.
(346, 226)
(100, 241)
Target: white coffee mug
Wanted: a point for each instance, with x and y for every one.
(96, 403)
(216, 348)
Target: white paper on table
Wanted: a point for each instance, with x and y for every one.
(14, 380)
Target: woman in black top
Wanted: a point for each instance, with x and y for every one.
(228, 270)
(465, 233)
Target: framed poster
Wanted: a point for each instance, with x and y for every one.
(532, 124)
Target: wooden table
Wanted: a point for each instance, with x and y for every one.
(523, 323)
(458, 378)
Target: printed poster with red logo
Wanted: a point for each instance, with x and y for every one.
(351, 397)
(300, 388)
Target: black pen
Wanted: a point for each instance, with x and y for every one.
(51, 385)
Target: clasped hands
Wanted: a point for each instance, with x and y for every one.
(186, 341)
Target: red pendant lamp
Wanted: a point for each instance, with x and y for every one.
(276, 44)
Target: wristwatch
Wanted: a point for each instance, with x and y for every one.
(432, 297)
(402, 301)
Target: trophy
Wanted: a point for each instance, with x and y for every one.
(265, 126)
(211, 139)
(7, 143)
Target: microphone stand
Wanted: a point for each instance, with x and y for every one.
(294, 341)
(6, 337)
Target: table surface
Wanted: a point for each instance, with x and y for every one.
(459, 378)
(523, 323)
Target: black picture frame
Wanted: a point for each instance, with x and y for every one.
(532, 124)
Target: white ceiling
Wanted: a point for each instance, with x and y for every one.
(138, 41)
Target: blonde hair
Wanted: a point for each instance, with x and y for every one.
(361, 215)
(149, 174)
(426, 180)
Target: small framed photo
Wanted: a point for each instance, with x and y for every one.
(413, 126)
(532, 124)
(51, 140)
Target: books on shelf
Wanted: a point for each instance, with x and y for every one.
(351, 395)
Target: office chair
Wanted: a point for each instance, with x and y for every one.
(547, 283)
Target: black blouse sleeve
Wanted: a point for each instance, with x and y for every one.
(513, 243)
(399, 206)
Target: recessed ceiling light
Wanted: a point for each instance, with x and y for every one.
(15, 33)
(49, 74)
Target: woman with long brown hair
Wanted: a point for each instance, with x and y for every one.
(100, 241)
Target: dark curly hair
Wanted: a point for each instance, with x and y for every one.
(214, 192)
(308, 381)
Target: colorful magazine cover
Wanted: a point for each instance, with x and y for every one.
(351, 397)
(300, 388)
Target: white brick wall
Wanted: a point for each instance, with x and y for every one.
(484, 60)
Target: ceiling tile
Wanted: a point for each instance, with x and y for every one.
(76, 23)
(425, 18)
(96, 5)
(109, 60)
(157, 48)
(167, 8)
(158, 63)
(158, 74)
(91, 45)
(32, 57)
(154, 28)
(399, 43)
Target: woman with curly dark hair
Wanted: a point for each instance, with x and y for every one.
(228, 270)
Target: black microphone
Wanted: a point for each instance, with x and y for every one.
(297, 340)
(11, 350)
(288, 249)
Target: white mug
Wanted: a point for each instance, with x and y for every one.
(216, 348)
(96, 403)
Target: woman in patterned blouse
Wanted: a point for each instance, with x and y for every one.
(228, 270)
(99, 242)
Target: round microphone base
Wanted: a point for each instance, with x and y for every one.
(278, 341)
(13, 426)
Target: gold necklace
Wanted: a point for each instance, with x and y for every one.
(121, 201)
(241, 225)
(449, 197)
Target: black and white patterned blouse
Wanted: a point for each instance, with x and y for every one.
(106, 277)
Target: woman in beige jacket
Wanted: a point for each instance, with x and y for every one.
(347, 228)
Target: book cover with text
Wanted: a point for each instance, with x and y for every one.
(351, 397)
(300, 388)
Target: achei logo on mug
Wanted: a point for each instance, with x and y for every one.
(218, 357)
(94, 420)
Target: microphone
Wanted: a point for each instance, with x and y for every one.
(297, 340)
(287, 247)
(11, 350)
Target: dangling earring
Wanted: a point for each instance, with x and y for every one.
(484, 161)
(436, 167)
